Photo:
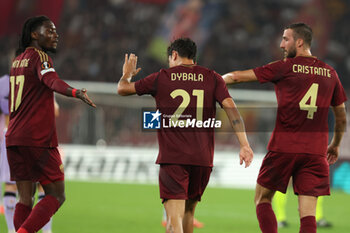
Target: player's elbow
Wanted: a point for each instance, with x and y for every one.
(122, 90)
(237, 77)
(229, 78)
(232, 77)
(341, 120)
(340, 115)
(126, 88)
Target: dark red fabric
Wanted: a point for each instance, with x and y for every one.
(266, 217)
(183, 181)
(294, 79)
(308, 225)
(310, 173)
(41, 214)
(53, 82)
(37, 164)
(21, 213)
(32, 118)
(191, 146)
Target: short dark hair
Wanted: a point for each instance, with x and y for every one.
(301, 30)
(185, 47)
(29, 26)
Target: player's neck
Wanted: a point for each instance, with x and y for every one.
(185, 62)
(304, 53)
(34, 44)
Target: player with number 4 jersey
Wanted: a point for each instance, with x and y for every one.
(305, 89)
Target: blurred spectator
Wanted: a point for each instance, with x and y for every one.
(95, 34)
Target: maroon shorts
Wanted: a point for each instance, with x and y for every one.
(37, 164)
(310, 173)
(183, 182)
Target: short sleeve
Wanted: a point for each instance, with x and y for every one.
(221, 91)
(43, 65)
(339, 95)
(271, 72)
(147, 85)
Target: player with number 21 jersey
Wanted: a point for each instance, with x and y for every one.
(196, 89)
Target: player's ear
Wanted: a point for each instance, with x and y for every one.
(35, 35)
(174, 55)
(300, 43)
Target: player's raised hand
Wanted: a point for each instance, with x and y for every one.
(332, 154)
(129, 67)
(246, 154)
(81, 94)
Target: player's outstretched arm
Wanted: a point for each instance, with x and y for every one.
(125, 87)
(81, 94)
(52, 81)
(246, 153)
(339, 129)
(240, 76)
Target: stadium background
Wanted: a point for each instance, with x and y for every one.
(106, 147)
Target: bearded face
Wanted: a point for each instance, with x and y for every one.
(288, 44)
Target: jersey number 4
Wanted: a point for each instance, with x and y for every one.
(14, 81)
(311, 94)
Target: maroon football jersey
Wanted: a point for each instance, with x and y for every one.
(186, 92)
(31, 103)
(305, 89)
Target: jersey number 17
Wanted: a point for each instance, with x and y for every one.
(14, 81)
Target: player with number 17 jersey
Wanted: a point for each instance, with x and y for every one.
(31, 139)
(32, 121)
(305, 88)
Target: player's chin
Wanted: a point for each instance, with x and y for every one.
(52, 49)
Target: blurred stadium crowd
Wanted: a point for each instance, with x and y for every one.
(240, 34)
(95, 34)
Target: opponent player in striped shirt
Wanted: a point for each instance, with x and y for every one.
(31, 136)
(305, 89)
